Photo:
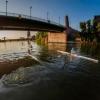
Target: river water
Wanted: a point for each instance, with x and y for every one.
(29, 71)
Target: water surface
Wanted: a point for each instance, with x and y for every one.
(30, 71)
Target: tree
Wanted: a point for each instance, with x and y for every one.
(40, 36)
(90, 34)
(98, 32)
(83, 30)
(87, 30)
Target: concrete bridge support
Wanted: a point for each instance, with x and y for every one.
(59, 37)
(28, 34)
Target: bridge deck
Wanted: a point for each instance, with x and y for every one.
(23, 22)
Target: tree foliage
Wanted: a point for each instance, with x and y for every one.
(40, 36)
(90, 30)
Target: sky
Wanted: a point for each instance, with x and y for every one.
(77, 10)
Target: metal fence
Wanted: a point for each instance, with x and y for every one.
(29, 17)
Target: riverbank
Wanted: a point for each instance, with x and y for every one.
(9, 40)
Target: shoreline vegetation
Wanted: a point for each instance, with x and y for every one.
(41, 37)
(90, 31)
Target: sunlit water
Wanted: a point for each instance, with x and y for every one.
(30, 71)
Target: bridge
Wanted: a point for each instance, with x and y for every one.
(13, 21)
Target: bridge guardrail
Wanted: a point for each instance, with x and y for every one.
(29, 17)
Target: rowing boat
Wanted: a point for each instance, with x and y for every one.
(75, 55)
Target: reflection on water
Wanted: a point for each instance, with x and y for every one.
(57, 46)
(14, 50)
(57, 77)
(92, 50)
(16, 54)
(30, 47)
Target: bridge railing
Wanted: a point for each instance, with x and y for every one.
(29, 17)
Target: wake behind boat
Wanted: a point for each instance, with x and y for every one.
(33, 57)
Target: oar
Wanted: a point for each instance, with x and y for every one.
(75, 55)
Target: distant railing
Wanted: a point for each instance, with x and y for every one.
(29, 17)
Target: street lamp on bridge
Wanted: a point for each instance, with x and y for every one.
(30, 11)
(6, 6)
(59, 19)
(47, 15)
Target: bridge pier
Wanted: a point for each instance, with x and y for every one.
(57, 37)
(28, 35)
(60, 37)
